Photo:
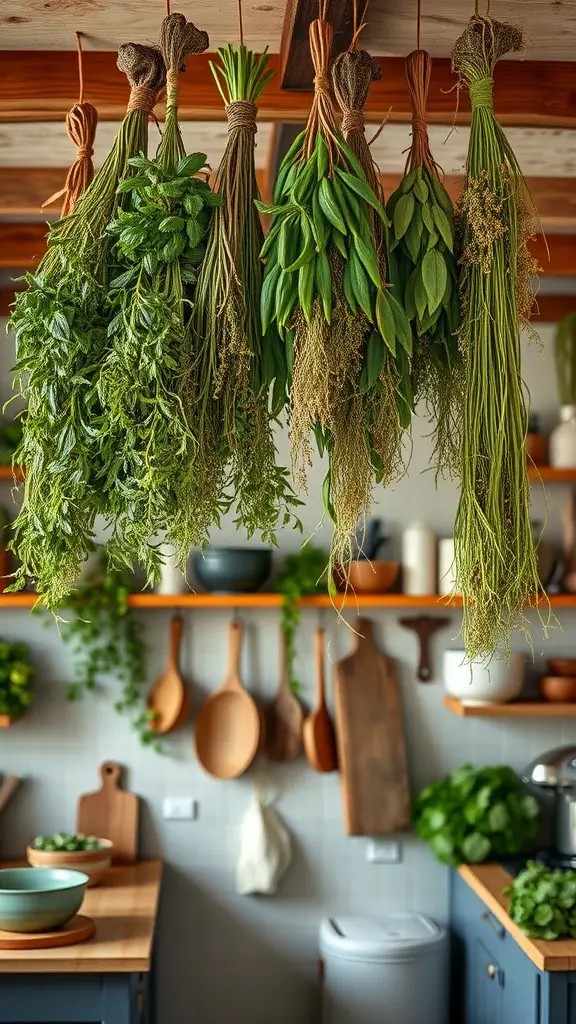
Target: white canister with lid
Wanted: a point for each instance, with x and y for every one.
(419, 560)
(562, 445)
(446, 566)
(171, 579)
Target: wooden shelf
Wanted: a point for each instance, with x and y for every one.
(516, 709)
(11, 473)
(547, 474)
(6, 721)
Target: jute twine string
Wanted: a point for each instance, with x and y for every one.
(242, 114)
(321, 117)
(81, 122)
(418, 72)
(178, 39)
(352, 74)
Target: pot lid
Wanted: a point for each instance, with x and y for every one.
(555, 768)
(385, 938)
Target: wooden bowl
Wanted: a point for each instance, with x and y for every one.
(558, 688)
(92, 862)
(562, 666)
(366, 577)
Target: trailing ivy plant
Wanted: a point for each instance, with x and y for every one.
(303, 574)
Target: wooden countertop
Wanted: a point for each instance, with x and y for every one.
(124, 909)
(487, 881)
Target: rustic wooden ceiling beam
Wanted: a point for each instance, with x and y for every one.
(41, 85)
(296, 71)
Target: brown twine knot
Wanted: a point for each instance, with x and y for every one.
(180, 38)
(242, 114)
(352, 74)
(352, 121)
(321, 117)
(142, 65)
(81, 122)
(418, 72)
(141, 98)
(322, 82)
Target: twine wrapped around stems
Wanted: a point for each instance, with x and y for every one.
(81, 122)
(322, 116)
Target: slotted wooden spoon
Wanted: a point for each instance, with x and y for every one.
(228, 725)
(168, 695)
(284, 733)
(318, 732)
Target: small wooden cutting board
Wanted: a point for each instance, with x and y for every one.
(371, 748)
(111, 813)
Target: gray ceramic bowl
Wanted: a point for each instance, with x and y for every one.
(39, 899)
(232, 570)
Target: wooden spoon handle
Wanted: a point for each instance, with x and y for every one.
(320, 681)
(235, 647)
(176, 628)
(284, 681)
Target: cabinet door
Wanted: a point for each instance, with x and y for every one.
(485, 995)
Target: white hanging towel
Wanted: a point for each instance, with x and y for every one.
(265, 848)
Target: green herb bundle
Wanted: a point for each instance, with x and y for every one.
(543, 902)
(426, 272)
(303, 574)
(324, 291)
(227, 391)
(158, 247)
(385, 383)
(565, 359)
(494, 546)
(16, 672)
(60, 326)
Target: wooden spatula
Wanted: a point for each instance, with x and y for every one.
(284, 732)
(9, 786)
(424, 626)
(168, 693)
(111, 813)
(318, 731)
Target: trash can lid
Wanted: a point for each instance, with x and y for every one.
(398, 936)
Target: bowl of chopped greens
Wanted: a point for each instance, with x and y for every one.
(89, 854)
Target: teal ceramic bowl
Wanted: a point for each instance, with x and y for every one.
(39, 899)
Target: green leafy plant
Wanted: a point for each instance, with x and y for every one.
(66, 841)
(475, 814)
(15, 674)
(106, 639)
(303, 574)
(543, 901)
(565, 358)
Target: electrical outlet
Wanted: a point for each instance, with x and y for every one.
(179, 808)
(384, 851)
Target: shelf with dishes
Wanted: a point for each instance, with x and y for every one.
(515, 709)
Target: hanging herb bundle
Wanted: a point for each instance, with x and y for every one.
(227, 392)
(158, 247)
(385, 384)
(495, 558)
(325, 292)
(60, 327)
(426, 271)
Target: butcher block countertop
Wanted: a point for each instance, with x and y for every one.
(124, 909)
(487, 881)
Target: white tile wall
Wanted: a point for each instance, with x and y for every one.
(222, 956)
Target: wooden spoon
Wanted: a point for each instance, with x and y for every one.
(168, 693)
(424, 626)
(318, 731)
(227, 734)
(284, 738)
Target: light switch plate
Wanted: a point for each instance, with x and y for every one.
(179, 808)
(384, 851)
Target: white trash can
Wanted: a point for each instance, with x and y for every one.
(393, 970)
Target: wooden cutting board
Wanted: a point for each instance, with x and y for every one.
(111, 813)
(370, 735)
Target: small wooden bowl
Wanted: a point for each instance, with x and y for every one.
(366, 577)
(560, 689)
(562, 666)
(92, 862)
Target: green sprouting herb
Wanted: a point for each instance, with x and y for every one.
(565, 358)
(303, 573)
(425, 269)
(60, 327)
(543, 901)
(476, 814)
(16, 672)
(234, 365)
(67, 842)
(494, 545)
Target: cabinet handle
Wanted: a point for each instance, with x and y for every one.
(492, 971)
(494, 924)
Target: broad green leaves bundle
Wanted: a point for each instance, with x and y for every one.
(158, 246)
(476, 814)
(60, 324)
(325, 294)
(494, 546)
(543, 902)
(226, 392)
(425, 269)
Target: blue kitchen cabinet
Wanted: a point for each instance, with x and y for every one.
(493, 981)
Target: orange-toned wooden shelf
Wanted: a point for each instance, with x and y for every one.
(516, 709)
(548, 474)
(11, 473)
(6, 721)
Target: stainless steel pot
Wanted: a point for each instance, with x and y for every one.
(556, 770)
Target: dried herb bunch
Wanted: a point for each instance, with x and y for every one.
(158, 247)
(60, 324)
(495, 555)
(426, 272)
(226, 392)
(325, 293)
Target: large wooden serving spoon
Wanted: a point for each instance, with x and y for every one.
(318, 731)
(168, 695)
(284, 733)
(228, 725)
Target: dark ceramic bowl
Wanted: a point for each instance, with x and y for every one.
(232, 570)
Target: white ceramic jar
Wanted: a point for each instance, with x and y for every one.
(496, 682)
(562, 445)
(418, 560)
(446, 566)
(171, 579)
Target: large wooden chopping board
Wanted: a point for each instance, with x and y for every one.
(111, 813)
(370, 734)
